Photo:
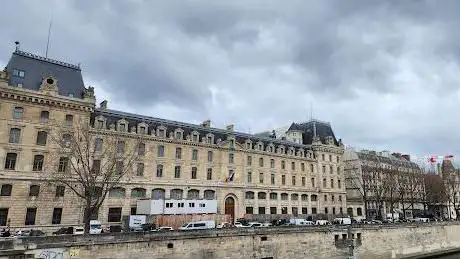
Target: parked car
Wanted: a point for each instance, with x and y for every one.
(224, 225)
(322, 222)
(266, 224)
(199, 225)
(36, 233)
(241, 225)
(342, 221)
(255, 224)
(115, 229)
(64, 231)
(163, 229)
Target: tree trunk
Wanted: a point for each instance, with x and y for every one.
(87, 216)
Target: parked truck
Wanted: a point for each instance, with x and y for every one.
(136, 222)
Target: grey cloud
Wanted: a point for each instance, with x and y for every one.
(365, 65)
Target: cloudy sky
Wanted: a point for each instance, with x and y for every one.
(384, 73)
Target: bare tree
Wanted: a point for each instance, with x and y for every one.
(359, 181)
(91, 162)
(391, 187)
(435, 194)
(450, 176)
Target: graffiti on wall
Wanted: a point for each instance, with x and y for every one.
(59, 253)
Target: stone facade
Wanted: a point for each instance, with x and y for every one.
(247, 174)
(390, 183)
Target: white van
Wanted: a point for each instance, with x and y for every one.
(300, 222)
(342, 221)
(95, 227)
(322, 222)
(208, 224)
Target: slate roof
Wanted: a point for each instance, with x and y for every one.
(374, 156)
(112, 116)
(323, 130)
(36, 68)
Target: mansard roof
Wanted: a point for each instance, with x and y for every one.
(37, 68)
(112, 116)
(391, 160)
(312, 127)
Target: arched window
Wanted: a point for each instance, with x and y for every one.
(117, 192)
(249, 195)
(284, 196)
(42, 137)
(313, 197)
(176, 194)
(193, 194)
(38, 163)
(261, 195)
(294, 197)
(273, 196)
(158, 194)
(138, 193)
(15, 134)
(209, 195)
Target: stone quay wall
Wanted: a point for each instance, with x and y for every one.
(371, 242)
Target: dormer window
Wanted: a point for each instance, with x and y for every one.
(142, 130)
(232, 143)
(99, 124)
(248, 145)
(122, 127)
(178, 135)
(162, 132)
(209, 139)
(195, 137)
(19, 73)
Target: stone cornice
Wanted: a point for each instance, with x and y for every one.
(31, 96)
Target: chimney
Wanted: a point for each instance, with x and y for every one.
(407, 157)
(206, 123)
(230, 127)
(103, 104)
(18, 45)
(397, 155)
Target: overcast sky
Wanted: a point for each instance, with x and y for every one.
(384, 73)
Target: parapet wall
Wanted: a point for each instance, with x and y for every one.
(372, 242)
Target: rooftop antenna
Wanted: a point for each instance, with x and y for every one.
(311, 110)
(49, 36)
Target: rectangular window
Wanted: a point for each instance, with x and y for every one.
(273, 210)
(304, 210)
(231, 158)
(142, 130)
(312, 168)
(177, 171)
(195, 155)
(293, 180)
(69, 119)
(304, 182)
(98, 145)
(325, 197)
(295, 211)
(18, 73)
(141, 149)
(6, 190)
(332, 183)
(10, 161)
(283, 165)
(34, 190)
(331, 169)
(339, 184)
(63, 162)
(18, 113)
(324, 183)
(161, 151)
(261, 210)
(57, 215)
(140, 169)
(249, 161)
(272, 163)
(209, 174)
(119, 167)
(30, 216)
(209, 156)
(38, 163)
(114, 215)
(60, 190)
(100, 124)
(122, 127)
(3, 216)
(293, 166)
(194, 169)
(159, 170)
(261, 177)
(272, 179)
(96, 169)
(15, 134)
(133, 211)
(249, 210)
(178, 153)
(313, 210)
(120, 147)
(161, 133)
(44, 116)
(302, 167)
(261, 162)
(249, 177)
(283, 180)
(313, 182)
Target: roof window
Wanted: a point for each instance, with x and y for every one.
(19, 73)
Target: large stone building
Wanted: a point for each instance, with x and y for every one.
(379, 183)
(246, 174)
